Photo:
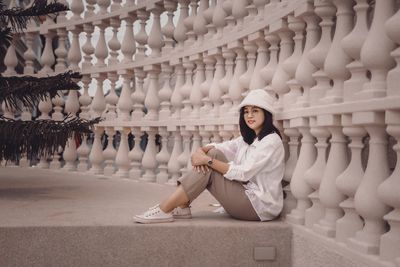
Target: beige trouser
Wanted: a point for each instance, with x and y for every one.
(230, 194)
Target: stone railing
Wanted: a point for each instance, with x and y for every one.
(330, 63)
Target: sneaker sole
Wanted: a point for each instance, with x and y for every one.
(182, 216)
(147, 221)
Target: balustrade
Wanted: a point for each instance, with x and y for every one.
(333, 66)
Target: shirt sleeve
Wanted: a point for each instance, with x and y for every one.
(261, 158)
(228, 148)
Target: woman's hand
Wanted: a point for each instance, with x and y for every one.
(199, 158)
(201, 168)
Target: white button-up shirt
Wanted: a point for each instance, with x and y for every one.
(261, 165)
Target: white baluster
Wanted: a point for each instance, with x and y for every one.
(109, 153)
(138, 96)
(122, 158)
(337, 162)
(200, 22)
(10, 61)
(151, 101)
(230, 20)
(162, 157)
(260, 5)
(218, 19)
(149, 163)
(290, 65)
(393, 77)
(135, 155)
(128, 45)
(47, 59)
(165, 93)
(168, 29)
(378, 61)
(103, 4)
(208, 15)
(205, 136)
(235, 90)
(224, 83)
(305, 68)
(337, 60)
(317, 55)
(349, 180)
(186, 88)
(141, 37)
(99, 103)
(267, 73)
(290, 164)
(130, 3)
(29, 54)
(189, 23)
(205, 86)
(366, 200)
(300, 189)
(125, 102)
(90, 8)
(245, 78)
(257, 81)
(57, 115)
(173, 164)
(77, 9)
(70, 154)
(196, 93)
(155, 40)
(180, 30)
(115, 5)
(111, 98)
(88, 48)
(252, 10)
(239, 11)
(215, 92)
(61, 51)
(96, 153)
(314, 174)
(216, 138)
(352, 45)
(101, 51)
(176, 98)
(114, 43)
(388, 191)
(185, 155)
(280, 79)
(196, 144)
(84, 150)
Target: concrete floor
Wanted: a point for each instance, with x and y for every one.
(36, 197)
(55, 218)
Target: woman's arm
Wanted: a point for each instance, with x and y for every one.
(200, 160)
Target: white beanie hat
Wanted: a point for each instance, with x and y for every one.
(259, 98)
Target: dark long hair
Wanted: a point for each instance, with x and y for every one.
(249, 135)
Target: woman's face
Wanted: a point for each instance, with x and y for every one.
(254, 118)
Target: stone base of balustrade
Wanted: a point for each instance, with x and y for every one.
(324, 229)
(363, 247)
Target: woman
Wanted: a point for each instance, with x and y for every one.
(243, 174)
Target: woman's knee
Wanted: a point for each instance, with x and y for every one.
(216, 154)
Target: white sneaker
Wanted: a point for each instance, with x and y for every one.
(154, 215)
(182, 213)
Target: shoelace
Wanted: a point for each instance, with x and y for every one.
(152, 213)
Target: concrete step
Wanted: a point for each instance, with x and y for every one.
(51, 218)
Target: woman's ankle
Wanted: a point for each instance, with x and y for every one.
(184, 206)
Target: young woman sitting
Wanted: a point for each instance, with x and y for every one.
(243, 174)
